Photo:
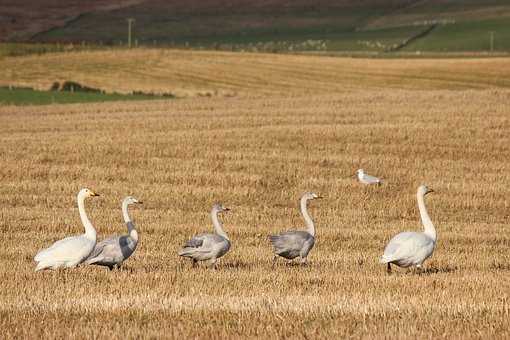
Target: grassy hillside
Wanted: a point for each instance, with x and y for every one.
(466, 36)
(298, 26)
(21, 19)
(201, 73)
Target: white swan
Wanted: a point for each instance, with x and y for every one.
(367, 179)
(296, 243)
(208, 246)
(114, 250)
(73, 250)
(412, 248)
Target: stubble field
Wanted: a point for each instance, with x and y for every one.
(257, 156)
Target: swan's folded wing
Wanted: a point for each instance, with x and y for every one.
(290, 240)
(64, 250)
(196, 242)
(48, 251)
(104, 248)
(405, 245)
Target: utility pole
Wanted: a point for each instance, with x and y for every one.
(492, 40)
(130, 24)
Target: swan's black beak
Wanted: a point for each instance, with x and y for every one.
(430, 190)
(226, 209)
(139, 202)
(94, 194)
(319, 197)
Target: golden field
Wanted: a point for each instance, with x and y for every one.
(258, 154)
(225, 74)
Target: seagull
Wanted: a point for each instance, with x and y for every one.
(367, 179)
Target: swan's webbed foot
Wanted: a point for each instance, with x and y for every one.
(303, 261)
(388, 268)
(193, 263)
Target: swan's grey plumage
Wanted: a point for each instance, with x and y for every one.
(210, 247)
(73, 250)
(296, 243)
(367, 179)
(113, 251)
(412, 248)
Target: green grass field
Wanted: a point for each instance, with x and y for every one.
(466, 36)
(22, 96)
(273, 27)
(21, 49)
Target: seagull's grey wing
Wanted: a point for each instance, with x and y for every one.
(372, 179)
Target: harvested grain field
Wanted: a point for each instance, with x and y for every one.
(257, 155)
(191, 73)
(300, 124)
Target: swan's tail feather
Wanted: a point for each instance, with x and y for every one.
(187, 252)
(384, 259)
(274, 238)
(41, 255)
(93, 260)
(192, 252)
(42, 265)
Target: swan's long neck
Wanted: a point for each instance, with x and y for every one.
(218, 228)
(130, 225)
(310, 227)
(430, 230)
(90, 232)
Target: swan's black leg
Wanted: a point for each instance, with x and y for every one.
(275, 258)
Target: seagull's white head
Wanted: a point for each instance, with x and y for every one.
(424, 190)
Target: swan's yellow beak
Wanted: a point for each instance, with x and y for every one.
(92, 193)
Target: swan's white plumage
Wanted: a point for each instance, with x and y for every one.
(68, 252)
(408, 249)
(73, 250)
(413, 248)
